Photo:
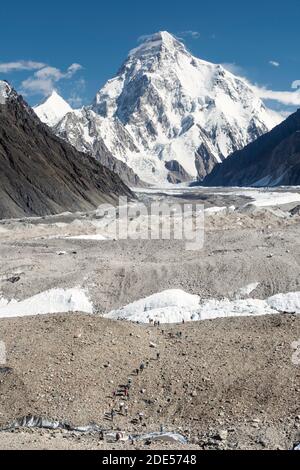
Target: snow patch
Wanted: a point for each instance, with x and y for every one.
(175, 306)
(51, 301)
(5, 91)
(87, 237)
(263, 198)
(246, 290)
(169, 306)
(288, 303)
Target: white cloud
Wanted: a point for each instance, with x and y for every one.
(288, 98)
(181, 35)
(7, 67)
(144, 37)
(296, 84)
(43, 81)
(274, 63)
(192, 34)
(234, 68)
(74, 68)
(75, 101)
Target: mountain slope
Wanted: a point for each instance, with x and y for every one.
(76, 128)
(166, 107)
(272, 160)
(40, 174)
(87, 132)
(53, 109)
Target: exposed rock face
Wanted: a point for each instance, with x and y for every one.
(86, 131)
(272, 160)
(41, 174)
(177, 173)
(166, 105)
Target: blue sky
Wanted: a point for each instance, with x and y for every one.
(81, 44)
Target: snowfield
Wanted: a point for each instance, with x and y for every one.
(51, 301)
(96, 236)
(175, 306)
(170, 306)
(264, 198)
(53, 109)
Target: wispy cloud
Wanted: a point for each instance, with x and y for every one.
(180, 35)
(144, 37)
(44, 80)
(75, 100)
(190, 33)
(296, 84)
(234, 68)
(18, 66)
(274, 63)
(288, 98)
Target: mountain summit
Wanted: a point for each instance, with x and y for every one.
(53, 109)
(168, 115)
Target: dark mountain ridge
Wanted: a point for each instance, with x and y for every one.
(271, 160)
(40, 174)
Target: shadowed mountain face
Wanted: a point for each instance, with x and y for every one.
(39, 173)
(272, 160)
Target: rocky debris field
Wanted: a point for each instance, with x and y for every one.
(227, 383)
(224, 383)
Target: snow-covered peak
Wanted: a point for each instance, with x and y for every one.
(156, 43)
(181, 115)
(5, 91)
(180, 108)
(53, 109)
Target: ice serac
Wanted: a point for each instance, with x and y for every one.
(40, 173)
(271, 160)
(53, 109)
